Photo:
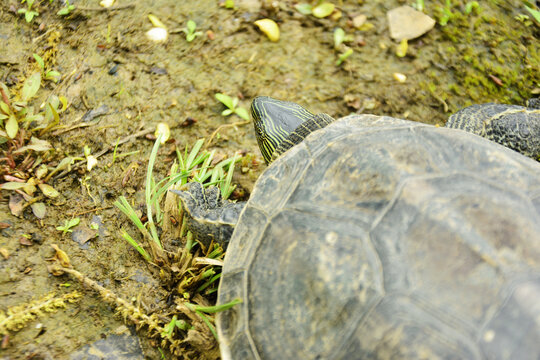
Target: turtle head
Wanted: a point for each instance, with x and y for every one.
(274, 121)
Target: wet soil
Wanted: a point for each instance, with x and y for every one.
(107, 63)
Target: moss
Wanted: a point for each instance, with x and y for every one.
(451, 50)
(493, 48)
(454, 88)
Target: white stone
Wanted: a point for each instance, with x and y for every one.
(408, 23)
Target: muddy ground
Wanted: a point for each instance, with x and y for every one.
(107, 62)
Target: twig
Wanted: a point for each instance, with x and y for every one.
(73, 127)
(224, 126)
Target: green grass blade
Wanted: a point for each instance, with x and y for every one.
(203, 173)
(148, 192)
(194, 151)
(226, 188)
(208, 283)
(136, 245)
(126, 208)
(215, 308)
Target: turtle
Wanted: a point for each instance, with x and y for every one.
(371, 237)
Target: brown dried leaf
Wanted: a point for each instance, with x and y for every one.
(61, 256)
(25, 241)
(16, 203)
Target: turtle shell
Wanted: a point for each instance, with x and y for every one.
(379, 238)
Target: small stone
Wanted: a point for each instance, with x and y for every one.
(408, 23)
(400, 77)
(157, 34)
(106, 3)
(359, 20)
(81, 235)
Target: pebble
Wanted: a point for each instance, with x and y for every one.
(399, 77)
(408, 23)
(359, 20)
(157, 34)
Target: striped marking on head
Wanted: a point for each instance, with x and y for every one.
(274, 120)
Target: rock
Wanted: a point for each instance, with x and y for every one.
(359, 20)
(82, 235)
(408, 23)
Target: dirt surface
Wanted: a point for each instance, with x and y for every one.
(107, 63)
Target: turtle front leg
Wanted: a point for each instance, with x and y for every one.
(208, 216)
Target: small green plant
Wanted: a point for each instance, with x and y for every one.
(229, 4)
(66, 9)
(190, 32)
(348, 52)
(446, 13)
(68, 224)
(175, 323)
(29, 12)
(232, 105)
(49, 74)
(304, 9)
(22, 160)
(320, 10)
(20, 114)
(341, 37)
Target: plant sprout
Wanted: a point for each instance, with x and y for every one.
(446, 13)
(344, 56)
(68, 224)
(29, 13)
(47, 75)
(66, 9)
(341, 37)
(189, 30)
(232, 105)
